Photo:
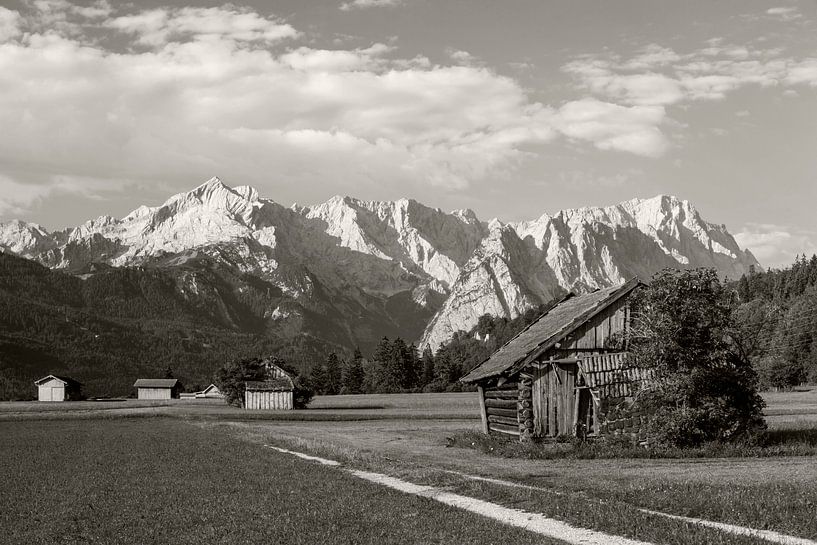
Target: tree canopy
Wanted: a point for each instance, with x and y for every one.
(703, 388)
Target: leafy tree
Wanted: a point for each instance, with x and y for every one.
(703, 389)
(776, 372)
(231, 377)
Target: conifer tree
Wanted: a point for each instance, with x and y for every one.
(428, 366)
(333, 375)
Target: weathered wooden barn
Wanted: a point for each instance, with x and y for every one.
(276, 392)
(58, 388)
(157, 388)
(565, 372)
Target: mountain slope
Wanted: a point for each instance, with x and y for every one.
(349, 271)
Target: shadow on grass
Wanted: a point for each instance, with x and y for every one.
(765, 445)
(349, 408)
(790, 437)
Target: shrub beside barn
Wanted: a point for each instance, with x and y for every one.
(566, 374)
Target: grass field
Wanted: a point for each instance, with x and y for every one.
(198, 472)
(163, 481)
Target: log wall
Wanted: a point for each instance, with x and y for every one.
(501, 408)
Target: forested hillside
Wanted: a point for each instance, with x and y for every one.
(395, 366)
(110, 326)
(777, 316)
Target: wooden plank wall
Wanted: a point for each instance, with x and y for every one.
(261, 400)
(501, 409)
(154, 393)
(595, 335)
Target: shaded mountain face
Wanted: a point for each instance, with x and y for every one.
(348, 272)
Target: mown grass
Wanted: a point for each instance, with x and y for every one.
(164, 481)
(617, 515)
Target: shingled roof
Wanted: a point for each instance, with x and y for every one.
(550, 328)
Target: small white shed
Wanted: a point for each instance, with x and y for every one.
(55, 388)
(211, 391)
(157, 388)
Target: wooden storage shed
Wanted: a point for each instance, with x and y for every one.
(58, 388)
(563, 373)
(157, 388)
(277, 392)
(211, 392)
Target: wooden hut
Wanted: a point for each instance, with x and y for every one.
(276, 392)
(157, 388)
(564, 373)
(211, 392)
(58, 388)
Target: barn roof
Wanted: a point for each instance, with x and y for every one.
(65, 380)
(550, 328)
(279, 384)
(156, 383)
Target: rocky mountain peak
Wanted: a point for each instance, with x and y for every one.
(365, 255)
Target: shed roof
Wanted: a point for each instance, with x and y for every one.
(279, 384)
(156, 383)
(550, 328)
(65, 380)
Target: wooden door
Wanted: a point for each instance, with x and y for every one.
(539, 400)
(566, 411)
(554, 399)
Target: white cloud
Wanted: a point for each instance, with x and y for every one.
(9, 24)
(777, 245)
(788, 13)
(364, 4)
(661, 76)
(608, 126)
(194, 91)
(160, 26)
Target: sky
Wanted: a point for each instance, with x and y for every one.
(512, 109)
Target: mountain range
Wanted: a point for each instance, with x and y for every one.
(347, 272)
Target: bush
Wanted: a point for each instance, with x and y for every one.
(702, 389)
(231, 378)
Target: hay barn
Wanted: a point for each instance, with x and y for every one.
(274, 393)
(58, 388)
(564, 373)
(157, 388)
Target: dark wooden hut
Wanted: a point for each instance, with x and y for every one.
(277, 392)
(565, 373)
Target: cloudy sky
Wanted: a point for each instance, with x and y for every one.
(509, 108)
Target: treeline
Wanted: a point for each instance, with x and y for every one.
(396, 366)
(122, 324)
(777, 319)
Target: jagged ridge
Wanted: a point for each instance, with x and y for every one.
(370, 267)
